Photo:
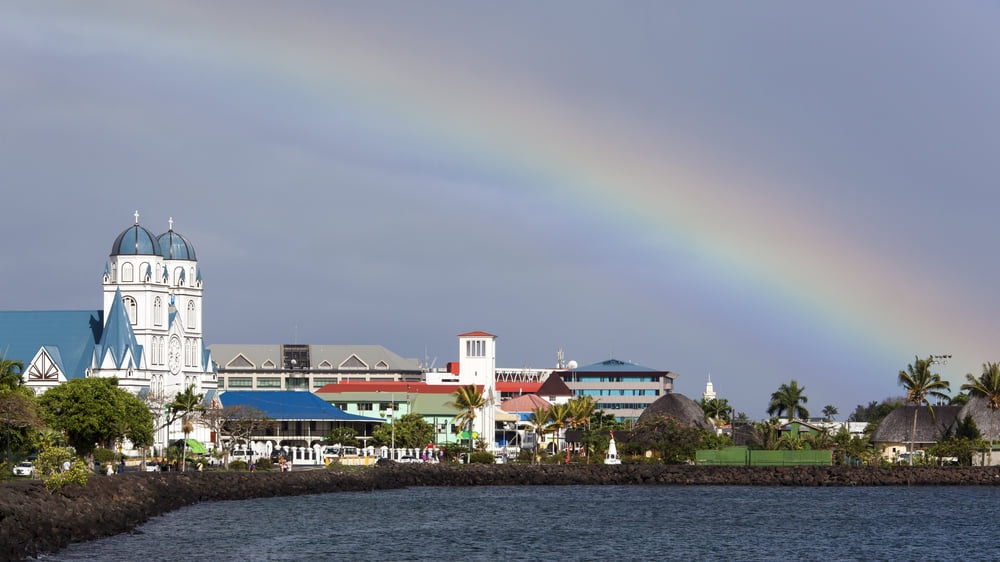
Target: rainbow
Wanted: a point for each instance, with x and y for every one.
(658, 196)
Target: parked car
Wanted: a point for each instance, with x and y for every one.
(24, 469)
(151, 466)
(409, 459)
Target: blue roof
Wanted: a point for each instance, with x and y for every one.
(290, 405)
(69, 336)
(175, 247)
(135, 241)
(613, 366)
(118, 335)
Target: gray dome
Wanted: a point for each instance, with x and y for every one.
(135, 241)
(173, 246)
(679, 407)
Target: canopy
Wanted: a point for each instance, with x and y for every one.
(196, 447)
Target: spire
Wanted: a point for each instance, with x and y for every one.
(118, 337)
(709, 390)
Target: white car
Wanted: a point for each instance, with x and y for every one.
(151, 466)
(24, 469)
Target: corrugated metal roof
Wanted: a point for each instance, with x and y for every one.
(613, 366)
(73, 333)
(333, 355)
(290, 405)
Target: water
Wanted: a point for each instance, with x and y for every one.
(576, 523)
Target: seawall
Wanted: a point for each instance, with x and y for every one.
(33, 521)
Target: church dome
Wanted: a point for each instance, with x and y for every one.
(173, 246)
(135, 241)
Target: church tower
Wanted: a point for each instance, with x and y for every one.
(153, 284)
(477, 365)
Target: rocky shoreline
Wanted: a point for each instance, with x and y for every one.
(34, 522)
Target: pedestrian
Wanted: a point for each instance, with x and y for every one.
(111, 470)
(253, 467)
(121, 467)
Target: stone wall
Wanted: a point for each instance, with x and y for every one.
(33, 522)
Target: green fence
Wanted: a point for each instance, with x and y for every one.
(742, 456)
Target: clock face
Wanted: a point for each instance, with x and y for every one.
(174, 356)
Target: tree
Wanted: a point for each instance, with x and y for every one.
(468, 399)
(19, 413)
(242, 423)
(559, 414)
(411, 432)
(986, 386)
(185, 404)
(581, 409)
(921, 385)
(11, 373)
(92, 411)
(674, 441)
(717, 410)
(789, 398)
(344, 435)
(829, 411)
(539, 420)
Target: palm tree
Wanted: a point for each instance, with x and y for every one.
(581, 408)
(829, 411)
(717, 410)
(789, 398)
(988, 387)
(184, 404)
(921, 385)
(11, 373)
(559, 416)
(539, 419)
(468, 399)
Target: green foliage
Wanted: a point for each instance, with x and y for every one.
(49, 467)
(94, 410)
(468, 399)
(481, 457)
(19, 418)
(875, 412)
(238, 465)
(674, 442)
(11, 373)
(343, 435)
(789, 398)
(961, 444)
(717, 409)
(411, 431)
(452, 450)
(105, 456)
(262, 464)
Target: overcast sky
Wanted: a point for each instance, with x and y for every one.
(759, 192)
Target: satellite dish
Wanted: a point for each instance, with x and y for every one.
(571, 364)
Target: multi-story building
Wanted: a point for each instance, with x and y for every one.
(619, 388)
(308, 367)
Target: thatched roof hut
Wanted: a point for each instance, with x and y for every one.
(680, 407)
(978, 407)
(898, 425)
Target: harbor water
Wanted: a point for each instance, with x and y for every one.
(576, 523)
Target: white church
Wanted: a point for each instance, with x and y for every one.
(148, 333)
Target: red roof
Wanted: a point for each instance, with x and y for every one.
(518, 387)
(397, 387)
(526, 403)
(476, 335)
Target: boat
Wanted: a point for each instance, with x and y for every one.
(612, 456)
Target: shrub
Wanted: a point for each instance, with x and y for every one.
(481, 457)
(237, 465)
(49, 465)
(263, 464)
(106, 456)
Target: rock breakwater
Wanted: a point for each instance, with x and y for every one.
(33, 521)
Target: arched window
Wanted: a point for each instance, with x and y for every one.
(191, 316)
(131, 308)
(158, 311)
(126, 272)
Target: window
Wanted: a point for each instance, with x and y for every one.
(131, 308)
(240, 382)
(191, 316)
(269, 382)
(341, 405)
(318, 383)
(126, 272)
(158, 311)
(300, 383)
(475, 348)
(364, 406)
(222, 382)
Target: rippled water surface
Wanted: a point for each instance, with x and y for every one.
(576, 523)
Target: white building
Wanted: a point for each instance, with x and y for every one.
(148, 333)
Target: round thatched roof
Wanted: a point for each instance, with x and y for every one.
(679, 407)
